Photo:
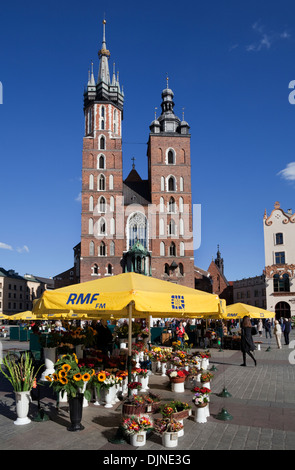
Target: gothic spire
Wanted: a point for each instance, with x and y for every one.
(104, 54)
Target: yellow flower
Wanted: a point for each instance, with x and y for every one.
(101, 377)
(63, 380)
(66, 367)
(86, 377)
(77, 377)
(55, 378)
(47, 377)
(62, 374)
(75, 357)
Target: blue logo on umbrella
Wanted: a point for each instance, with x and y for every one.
(177, 302)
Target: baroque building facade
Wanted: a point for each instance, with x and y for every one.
(132, 224)
(279, 235)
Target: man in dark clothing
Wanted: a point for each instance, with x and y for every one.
(267, 327)
(287, 329)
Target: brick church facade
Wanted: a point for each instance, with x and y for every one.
(134, 225)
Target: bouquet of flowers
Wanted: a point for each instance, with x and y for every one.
(20, 373)
(180, 373)
(134, 385)
(206, 377)
(70, 378)
(52, 340)
(136, 424)
(167, 425)
(201, 396)
(143, 372)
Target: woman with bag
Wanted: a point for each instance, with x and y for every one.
(180, 331)
(247, 344)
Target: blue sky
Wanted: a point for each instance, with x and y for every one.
(229, 64)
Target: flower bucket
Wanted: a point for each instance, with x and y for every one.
(138, 439)
(170, 439)
(22, 407)
(49, 361)
(206, 384)
(201, 414)
(181, 431)
(108, 398)
(144, 383)
(76, 409)
(164, 369)
(177, 384)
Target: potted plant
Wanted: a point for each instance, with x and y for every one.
(201, 401)
(70, 378)
(168, 429)
(22, 376)
(177, 379)
(50, 342)
(143, 377)
(134, 387)
(205, 379)
(136, 427)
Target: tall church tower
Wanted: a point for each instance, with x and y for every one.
(102, 178)
(169, 170)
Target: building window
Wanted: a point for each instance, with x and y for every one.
(181, 249)
(180, 202)
(112, 204)
(281, 284)
(102, 124)
(180, 268)
(91, 204)
(102, 249)
(101, 183)
(110, 269)
(172, 228)
(137, 230)
(102, 204)
(162, 183)
(162, 249)
(91, 181)
(112, 248)
(102, 143)
(280, 257)
(181, 227)
(166, 269)
(102, 226)
(90, 226)
(171, 157)
(162, 208)
(172, 207)
(91, 248)
(279, 239)
(101, 162)
(172, 249)
(171, 185)
(111, 182)
(181, 183)
(95, 269)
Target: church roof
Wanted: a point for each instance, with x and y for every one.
(136, 190)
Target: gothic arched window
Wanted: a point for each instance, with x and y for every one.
(137, 230)
(171, 185)
(101, 183)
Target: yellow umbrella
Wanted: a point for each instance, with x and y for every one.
(112, 296)
(4, 317)
(239, 310)
(127, 295)
(27, 315)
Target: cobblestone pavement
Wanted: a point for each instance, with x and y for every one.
(262, 406)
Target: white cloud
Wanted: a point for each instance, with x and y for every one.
(79, 197)
(265, 38)
(288, 173)
(4, 246)
(24, 249)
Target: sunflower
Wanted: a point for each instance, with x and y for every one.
(66, 367)
(101, 376)
(86, 377)
(75, 357)
(47, 377)
(62, 374)
(55, 378)
(93, 372)
(77, 377)
(63, 380)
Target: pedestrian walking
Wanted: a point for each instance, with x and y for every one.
(247, 344)
(287, 329)
(180, 332)
(260, 327)
(267, 327)
(278, 333)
